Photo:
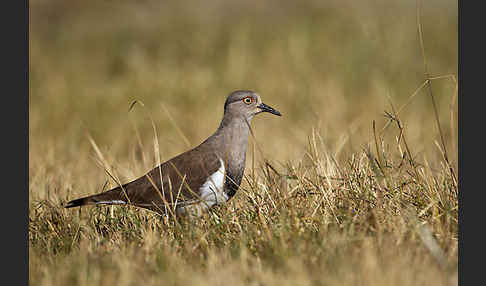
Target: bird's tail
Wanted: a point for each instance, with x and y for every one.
(111, 197)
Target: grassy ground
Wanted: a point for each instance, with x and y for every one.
(326, 200)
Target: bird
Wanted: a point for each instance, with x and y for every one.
(199, 179)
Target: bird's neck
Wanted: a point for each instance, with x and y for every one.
(232, 136)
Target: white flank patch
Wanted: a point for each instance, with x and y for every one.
(111, 202)
(211, 193)
(212, 190)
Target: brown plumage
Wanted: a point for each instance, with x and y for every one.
(195, 180)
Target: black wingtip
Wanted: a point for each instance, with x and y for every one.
(75, 203)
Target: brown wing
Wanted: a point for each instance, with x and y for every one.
(182, 176)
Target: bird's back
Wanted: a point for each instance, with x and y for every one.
(174, 183)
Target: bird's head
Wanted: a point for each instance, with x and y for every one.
(246, 104)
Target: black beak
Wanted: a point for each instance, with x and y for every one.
(266, 108)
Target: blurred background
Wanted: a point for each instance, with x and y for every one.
(328, 66)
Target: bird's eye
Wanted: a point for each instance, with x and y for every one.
(248, 100)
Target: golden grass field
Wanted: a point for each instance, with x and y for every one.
(326, 200)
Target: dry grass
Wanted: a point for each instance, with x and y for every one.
(330, 196)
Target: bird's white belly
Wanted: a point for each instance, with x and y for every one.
(211, 193)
